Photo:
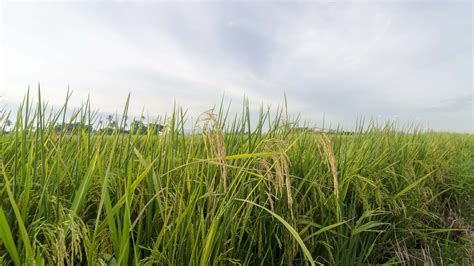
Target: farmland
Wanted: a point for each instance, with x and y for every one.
(235, 193)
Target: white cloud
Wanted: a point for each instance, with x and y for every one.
(342, 59)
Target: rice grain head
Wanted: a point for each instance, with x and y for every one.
(276, 167)
(215, 139)
(331, 160)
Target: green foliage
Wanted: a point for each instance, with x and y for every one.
(271, 194)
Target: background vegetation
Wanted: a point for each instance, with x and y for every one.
(232, 194)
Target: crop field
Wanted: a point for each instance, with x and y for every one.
(235, 192)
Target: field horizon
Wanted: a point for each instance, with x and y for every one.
(100, 119)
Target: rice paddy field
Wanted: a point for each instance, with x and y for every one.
(233, 193)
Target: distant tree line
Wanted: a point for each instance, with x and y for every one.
(137, 127)
(322, 130)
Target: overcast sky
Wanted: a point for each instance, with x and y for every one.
(404, 60)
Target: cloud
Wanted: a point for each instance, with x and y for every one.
(455, 104)
(343, 59)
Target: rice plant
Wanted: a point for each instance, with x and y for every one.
(274, 193)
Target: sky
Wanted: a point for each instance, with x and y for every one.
(408, 61)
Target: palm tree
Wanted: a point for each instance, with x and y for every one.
(110, 121)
